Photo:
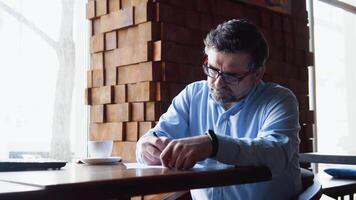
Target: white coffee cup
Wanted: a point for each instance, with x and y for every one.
(100, 149)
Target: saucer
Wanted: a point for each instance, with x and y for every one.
(101, 161)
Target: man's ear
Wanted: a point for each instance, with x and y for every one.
(259, 73)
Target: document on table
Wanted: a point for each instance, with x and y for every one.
(144, 166)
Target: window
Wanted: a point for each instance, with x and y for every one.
(335, 73)
(44, 54)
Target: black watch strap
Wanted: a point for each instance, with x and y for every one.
(214, 142)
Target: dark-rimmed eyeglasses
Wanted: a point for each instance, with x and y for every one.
(228, 77)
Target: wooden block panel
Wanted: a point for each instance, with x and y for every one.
(144, 127)
(130, 3)
(98, 78)
(183, 4)
(143, 12)
(109, 59)
(102, 95)
(310, 59)
(167, 13)
(127, 150)
(298, 87)
(133, 54)
(192, 19)
(141, 33)
(167, 196)
(106, 22)
(302, 43)
(87, 96)
(97, 43)
(153, 111)
(148, 71)
(89, 78)
(97, 60)
(111, 40)
(96, 26)
(101, 7)
(119, 93)
(90, 7)
(301, 28)
(171, 52)
(162, 93)
(144, 91)
(97, 113)
(132, 131)
(303, 74)
(111, 76)
(107, 131)
(118, 112)
(173, 90)
(117, 20)
(180, 34)
(229, 9)
(303, 101)
(301, 58)
(179, 73)
(136, 198)
(123, 18)
(198, 74)
(114, 5)
(138, 112)
(278, 38)
(287, 24)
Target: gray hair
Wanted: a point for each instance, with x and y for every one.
(235, 36)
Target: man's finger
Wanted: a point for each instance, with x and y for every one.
(166, 141)
(189, 162)
(180, 161)
(161, 143)
(176, 152)
(150, 160)
(153, 151)
(166, 155)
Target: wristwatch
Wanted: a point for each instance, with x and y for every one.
(214, 142)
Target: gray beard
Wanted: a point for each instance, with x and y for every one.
(223, 96)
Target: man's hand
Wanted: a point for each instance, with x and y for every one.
(152, 148)
(184, 153)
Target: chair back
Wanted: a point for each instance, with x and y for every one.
(312, 189)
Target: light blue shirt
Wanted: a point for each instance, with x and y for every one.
(261, 129)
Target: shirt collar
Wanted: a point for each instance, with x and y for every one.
(240, 104)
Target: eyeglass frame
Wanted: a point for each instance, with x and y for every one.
(223, 75)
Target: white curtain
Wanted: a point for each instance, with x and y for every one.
(335, 72)
(44, 55)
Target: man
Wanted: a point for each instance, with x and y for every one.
(233, 118)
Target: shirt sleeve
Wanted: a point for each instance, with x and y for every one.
(277, 141)
(173, 123)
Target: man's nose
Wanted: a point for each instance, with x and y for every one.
(219, 81)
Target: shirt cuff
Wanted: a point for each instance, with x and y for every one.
(228, 150)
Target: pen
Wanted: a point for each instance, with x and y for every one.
(154, 134)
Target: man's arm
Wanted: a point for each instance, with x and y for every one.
(276, 144)
(172, 124)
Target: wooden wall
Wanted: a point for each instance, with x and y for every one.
(143, 52)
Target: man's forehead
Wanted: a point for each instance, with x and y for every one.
(223, 59)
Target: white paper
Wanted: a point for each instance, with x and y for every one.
(144, 166)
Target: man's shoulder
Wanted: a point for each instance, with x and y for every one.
(197, 86)
(276, 90)
(196, 91)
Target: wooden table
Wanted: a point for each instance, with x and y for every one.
(8, 189)
(79, 181)
(332, 187)
(327, 158)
